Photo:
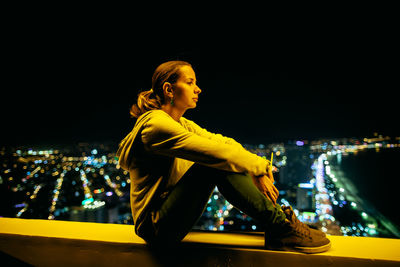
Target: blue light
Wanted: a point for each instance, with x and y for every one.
(299, 143)
(87, 201)
(285, 202)
(306, 185)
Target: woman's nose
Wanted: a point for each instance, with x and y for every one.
(198, 90)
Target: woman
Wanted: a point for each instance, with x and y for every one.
(174, 166)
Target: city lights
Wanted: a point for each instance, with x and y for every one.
(51, 184)
(87, 184)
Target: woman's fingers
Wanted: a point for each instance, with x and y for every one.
(270, 198)
(276, 191)
(273, 195)
(270, 175)
(271, 188)
(269, 195)
(266, 186)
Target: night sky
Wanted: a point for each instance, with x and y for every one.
(69, 86)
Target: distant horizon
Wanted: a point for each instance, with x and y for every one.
(116, 142)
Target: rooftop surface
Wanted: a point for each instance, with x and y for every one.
(49, 242)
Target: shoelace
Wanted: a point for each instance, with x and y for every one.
(299, 227)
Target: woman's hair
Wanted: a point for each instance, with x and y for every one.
(154, 98)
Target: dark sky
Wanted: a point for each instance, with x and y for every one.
(66, 85)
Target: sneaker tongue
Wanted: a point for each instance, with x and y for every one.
(289, 213)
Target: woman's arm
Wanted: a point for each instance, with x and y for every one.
(204, 133)
(162, 135)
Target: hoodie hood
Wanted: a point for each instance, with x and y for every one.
(127, 144)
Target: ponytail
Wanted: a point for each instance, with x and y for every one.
(146, 101)
(154, 98)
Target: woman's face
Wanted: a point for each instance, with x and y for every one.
(185, 90)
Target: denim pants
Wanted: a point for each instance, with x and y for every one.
(172, 219)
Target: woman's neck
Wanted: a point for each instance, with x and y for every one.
(175, 113)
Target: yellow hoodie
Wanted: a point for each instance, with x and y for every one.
(159, 150)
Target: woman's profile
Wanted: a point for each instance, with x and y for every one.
(174, 166)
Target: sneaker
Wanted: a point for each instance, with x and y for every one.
(289, 212)
(294, 235)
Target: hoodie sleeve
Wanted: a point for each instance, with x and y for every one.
(162, 135)
(212, 136)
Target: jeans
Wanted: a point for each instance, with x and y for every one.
(172, 219)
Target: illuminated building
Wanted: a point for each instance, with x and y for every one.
(305, 197)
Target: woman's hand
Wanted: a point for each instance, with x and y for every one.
(269, 173)
(265, 183)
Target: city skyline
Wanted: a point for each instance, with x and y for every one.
(85, 183)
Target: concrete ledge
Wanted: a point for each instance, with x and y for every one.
(63, 243)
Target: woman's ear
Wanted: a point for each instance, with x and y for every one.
(167, 89)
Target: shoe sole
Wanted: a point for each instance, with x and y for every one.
(307, 250)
